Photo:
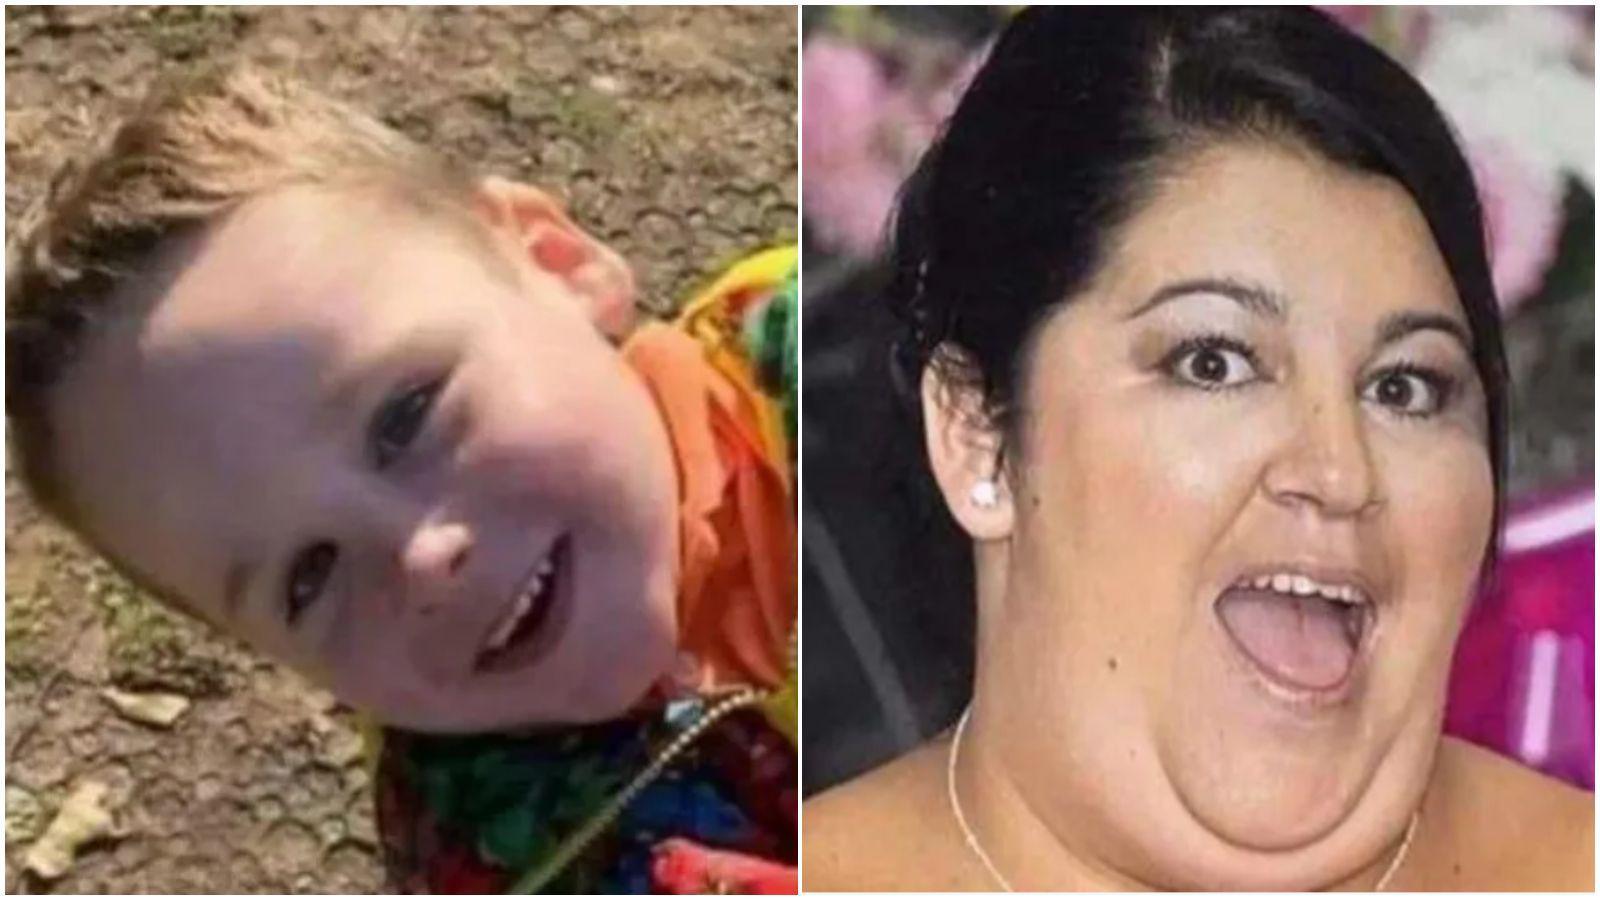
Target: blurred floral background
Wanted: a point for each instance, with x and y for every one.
(1518, 85)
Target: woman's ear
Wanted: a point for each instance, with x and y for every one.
(544, 237)
(964, 448)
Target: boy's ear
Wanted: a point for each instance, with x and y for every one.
(537, 225)
(964, 449)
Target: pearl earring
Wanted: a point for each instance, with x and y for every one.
(985, 494)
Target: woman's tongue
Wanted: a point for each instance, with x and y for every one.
(1303, 641)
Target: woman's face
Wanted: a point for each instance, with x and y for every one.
(1267, 392)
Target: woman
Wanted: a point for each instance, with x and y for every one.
(1211, 375)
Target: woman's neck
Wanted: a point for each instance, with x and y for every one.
(1027, 852)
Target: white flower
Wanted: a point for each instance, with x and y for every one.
(1507, 74)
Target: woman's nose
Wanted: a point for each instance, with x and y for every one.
(433, 560)
(1326, 463)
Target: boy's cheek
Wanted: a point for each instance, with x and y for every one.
(559, 458)
(633, 667)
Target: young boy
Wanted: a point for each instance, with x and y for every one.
(316, 386)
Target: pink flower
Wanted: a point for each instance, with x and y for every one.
(1355, 18)
(1522, 215)
(848, 187)
(860, 138)
(844, 92)
(849, 208)
(1402, 32)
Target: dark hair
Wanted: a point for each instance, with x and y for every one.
(1065, 130)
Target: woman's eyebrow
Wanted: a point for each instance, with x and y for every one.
(1266, 301)
(1399, 325)
(1253, 297)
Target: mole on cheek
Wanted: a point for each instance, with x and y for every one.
(1111, 663)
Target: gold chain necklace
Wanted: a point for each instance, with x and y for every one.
(994, 871)
(534, 881)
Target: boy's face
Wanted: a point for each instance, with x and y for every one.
(409, 465)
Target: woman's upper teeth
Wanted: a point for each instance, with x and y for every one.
(1304, 586)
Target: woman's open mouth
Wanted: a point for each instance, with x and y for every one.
(1304, 635)
(524, 630)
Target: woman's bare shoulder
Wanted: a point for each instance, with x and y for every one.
(886, 830)
(1510, 827)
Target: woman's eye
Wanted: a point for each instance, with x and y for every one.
(308, 575)
(1211, 363)
(1410, 391)
(398, 421)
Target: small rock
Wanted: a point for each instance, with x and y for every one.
(86, 743)
(362, 829)
(320, 701)
(341, 747)
(160, 710)
(605, 84)
(208, 789)
(81, 819)
(24, 815)
(356, 781)
(268, 809)
(283, 49)
(295, 794)
(576, 29)
(331, 831)
(322, 781)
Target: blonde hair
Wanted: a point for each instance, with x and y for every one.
(199, 146)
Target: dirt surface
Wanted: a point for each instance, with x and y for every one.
(670, 131)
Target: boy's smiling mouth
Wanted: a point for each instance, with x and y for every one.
(514, 639)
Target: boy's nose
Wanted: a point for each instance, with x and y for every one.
(434, 559)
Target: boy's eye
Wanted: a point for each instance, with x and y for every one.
(1211, 363)
(398, 420)
(1410, 391)
(308, 575)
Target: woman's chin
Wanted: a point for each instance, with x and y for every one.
(1282, 811)
(1261, 823)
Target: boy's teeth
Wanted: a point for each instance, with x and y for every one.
(519, 609)
(522, 605)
